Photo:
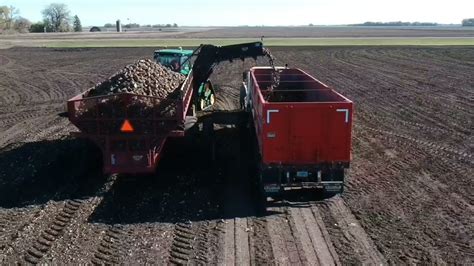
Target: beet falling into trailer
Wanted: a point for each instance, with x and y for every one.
(131, 129)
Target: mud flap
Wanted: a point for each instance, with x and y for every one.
(271, 182)
(333, 188)
(334, 183)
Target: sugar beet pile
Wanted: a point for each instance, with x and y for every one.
(145, 77)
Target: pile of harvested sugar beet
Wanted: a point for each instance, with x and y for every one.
(144, 77)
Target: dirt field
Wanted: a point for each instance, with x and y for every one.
(333, 32)
(268, 32)
(408, 198)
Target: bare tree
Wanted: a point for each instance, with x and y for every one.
(7, 15)
(22, 24)
(57, 17)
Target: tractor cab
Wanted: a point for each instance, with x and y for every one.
(179, 60)
(176, 59)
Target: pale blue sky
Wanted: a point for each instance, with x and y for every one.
(251, 12)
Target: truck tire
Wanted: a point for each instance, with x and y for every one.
(208, 131)
(242, 96)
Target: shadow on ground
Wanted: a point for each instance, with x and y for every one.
(36, 172)
(190, 186)
(187, 186)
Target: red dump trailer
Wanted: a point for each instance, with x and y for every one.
(303, 130)
(130, 129)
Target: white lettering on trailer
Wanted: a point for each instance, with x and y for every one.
(137, 157)
(346, 111)
(271, 135)
(269, 112)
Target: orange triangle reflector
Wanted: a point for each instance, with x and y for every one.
(126, 126)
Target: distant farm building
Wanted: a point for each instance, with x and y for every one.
(94, 29)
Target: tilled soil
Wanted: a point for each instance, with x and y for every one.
(408, 198)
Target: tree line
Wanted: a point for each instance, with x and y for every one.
(136, 25)
(56, 18)
(468, 22)
(396, 23)
(11, 21)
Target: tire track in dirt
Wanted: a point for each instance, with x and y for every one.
(359, 241)
(450, 171)
(60, 224)
(182, 247)
(53, 220)
(260, 245)
(52, 89)
(242, 237)
(242, 248)
(429, 79)
(192, 243)
(450, 221)
(286, 249)
(112, 246)
(461, 155)
(15, 250)
(237, 230)
(388, 107)
(5, 61)
(54, 230)
(10, 119)
(8, 94)
(33, 129)
(397, 77)
(12, 225)
(317, 248)
(72, 246)
(26, 92)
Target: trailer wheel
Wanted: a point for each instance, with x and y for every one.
(208, 130)
(261, 196)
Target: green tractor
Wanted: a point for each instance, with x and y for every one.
(179, 60)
